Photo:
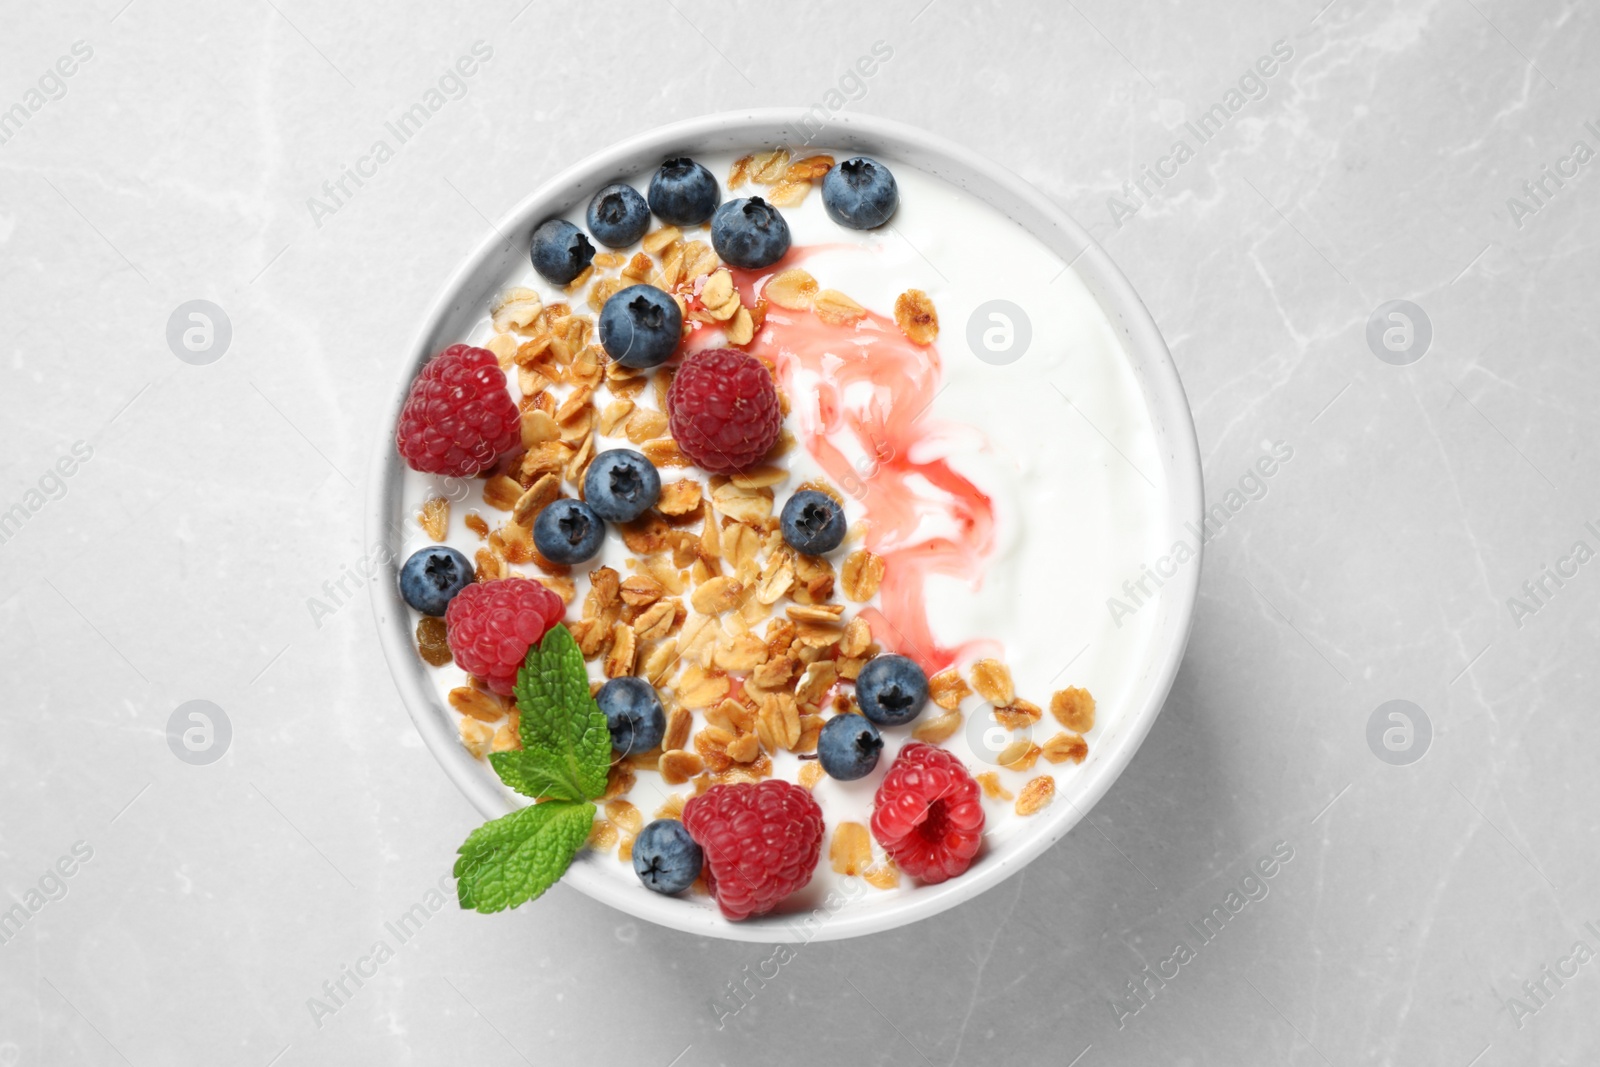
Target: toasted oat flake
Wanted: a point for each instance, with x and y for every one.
(718, 290)
(810, 774)
(624, 815)
(504, 347)
(657, 240)
(742, 653)
(992, 680)
(476, 736)
(602, 836)
(501, 492)
(948, 689)
(861, 574)
(766, 168)
(793, 289)
(1036, 795)
(885, 875)
(638, 268)
(850, 851)
(741, 329)
(672, 807)
(619, 661)
(1019, 715)
(915, 315)
(613, 416)
(990, 781)
(1066, 747)
(515, 309)
(540, 495)
(700, 688)
(746, 505)
(716, 596)
(744, 748)
(936, 731)
(485, 707)
(809, 169)
(434, 518)
(1074, 709)
(619, 779)
(679, 498)
(679, 723)
(538, 427)
(1019, 755)
(836, 309)
(761, 477)
(645, 424)
(788, 193)
(664, 452)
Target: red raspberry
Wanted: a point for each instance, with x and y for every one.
(723, 409)
(928, 813)
(490, 626)
(458, 418)
(761, 842)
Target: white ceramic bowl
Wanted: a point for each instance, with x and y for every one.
(463, 301)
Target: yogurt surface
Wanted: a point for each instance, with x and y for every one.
(1008, 474)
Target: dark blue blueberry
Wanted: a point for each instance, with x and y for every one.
(665, 857)
(749, 233)
(568, 531)
(891, 690)
(640, 326)
(621, 485)
(684, 193)
(618, 216)
(433, 576)
(633, 713)
(848, 747)
(813, 522)
(860, 193)
(560, 251)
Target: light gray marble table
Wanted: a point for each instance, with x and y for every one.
(1388, 157)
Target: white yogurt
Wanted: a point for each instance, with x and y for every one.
(1077, 488)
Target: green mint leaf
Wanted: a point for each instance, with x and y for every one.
(559, 717)
(515, 858)
(535, 773)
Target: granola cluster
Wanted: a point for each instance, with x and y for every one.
(745, 639)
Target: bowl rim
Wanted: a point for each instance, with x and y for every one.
(1146, 350)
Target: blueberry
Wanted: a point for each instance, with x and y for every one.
(640, 326)
(568, 531)
(432, 576)
(749, 233)
(891, 689)
(860, 193)
(618, 216)
(633, 713)
(848, 747)
(560, 251)
(813, 522)
(684, 193)
(621, 485)
(666, 858)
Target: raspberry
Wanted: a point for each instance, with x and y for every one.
(761, 842)
(458, 418)
(928, 814)
(723, 409)
(490, 626)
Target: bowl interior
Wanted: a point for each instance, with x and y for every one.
(462, 302)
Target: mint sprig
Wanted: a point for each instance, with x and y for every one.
(562, 764)
(515, 858)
